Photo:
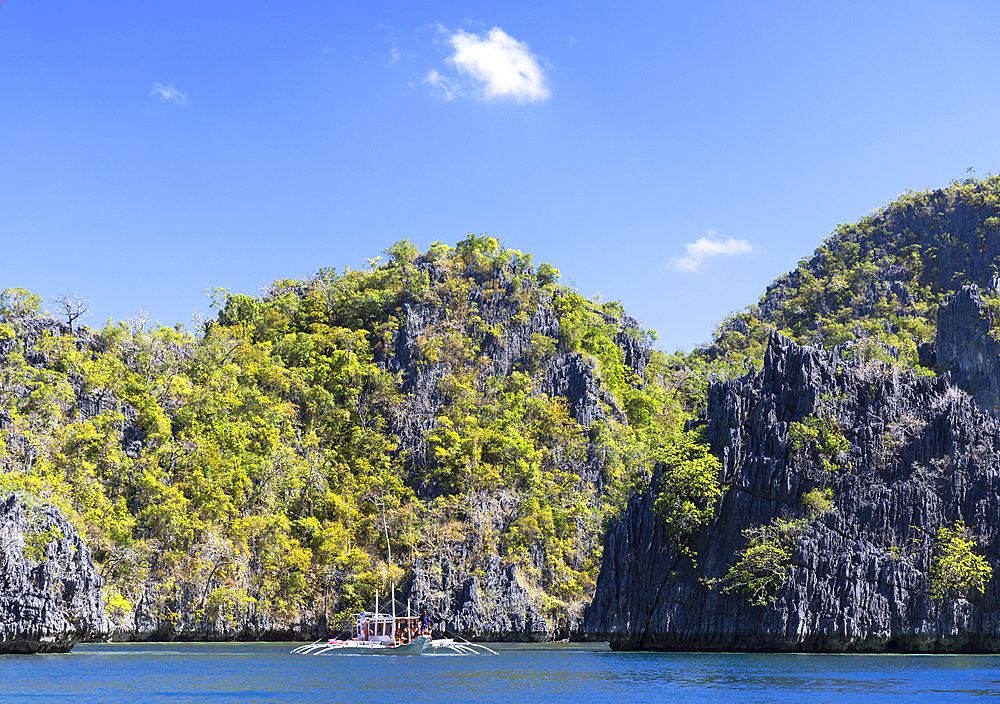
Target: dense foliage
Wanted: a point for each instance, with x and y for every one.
(689, 486)
(276, 459)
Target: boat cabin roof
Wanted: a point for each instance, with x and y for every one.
(384, 617)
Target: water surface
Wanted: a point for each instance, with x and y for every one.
(248, 673)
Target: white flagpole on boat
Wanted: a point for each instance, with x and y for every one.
(394, 612)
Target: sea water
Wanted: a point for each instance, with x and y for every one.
(247, 673)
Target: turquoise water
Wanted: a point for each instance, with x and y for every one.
(247, 673)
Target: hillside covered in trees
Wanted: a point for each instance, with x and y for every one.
(860, 456)
(882, 278)
(457, 411)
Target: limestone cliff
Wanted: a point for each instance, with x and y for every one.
(248, 482)
(922, 456)
(468, 589)
(50, 592)
(966, 346)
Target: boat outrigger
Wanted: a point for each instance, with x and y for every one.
(375, 633)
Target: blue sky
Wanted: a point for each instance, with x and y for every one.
(675, 156)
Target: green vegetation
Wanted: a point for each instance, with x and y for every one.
(689, 487)
(874, 288)
(879, 280)
(819, 435)
(956, 570)
(817, 502)
(267, 458)
(36, 541)
(264, 461)
(764, 563)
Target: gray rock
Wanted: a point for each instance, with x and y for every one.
(50, 593)
(489, 606)
(965, 346)
(568, 375)
(181, 615)
(477, 595)
(922, 456)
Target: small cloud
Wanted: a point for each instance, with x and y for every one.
(494, 66)
(390, 38)
(168, 94)
(503, 66)
(707, 247)
(441, 84)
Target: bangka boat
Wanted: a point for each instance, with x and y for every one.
(375, 633)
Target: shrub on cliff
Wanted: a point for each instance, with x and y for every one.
(763, 564)
(817, 502)
(819, 435)
(957, 571)
(689, 486)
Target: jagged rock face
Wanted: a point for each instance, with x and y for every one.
(492, 605)
(922, 456)
(564, 374)
(467, 592)
(50, 593)
(568, 375)
(965, 346)
(477, 595)
(184, 617)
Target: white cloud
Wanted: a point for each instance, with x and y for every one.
(445, 88)
(168, 94)
(493, 66)
(707, 247)
(389, 37)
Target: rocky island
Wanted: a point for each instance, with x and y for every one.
(521, 461)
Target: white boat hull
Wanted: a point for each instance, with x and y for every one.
(354, 647)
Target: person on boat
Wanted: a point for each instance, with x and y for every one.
(366, 632)
(425, 623)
